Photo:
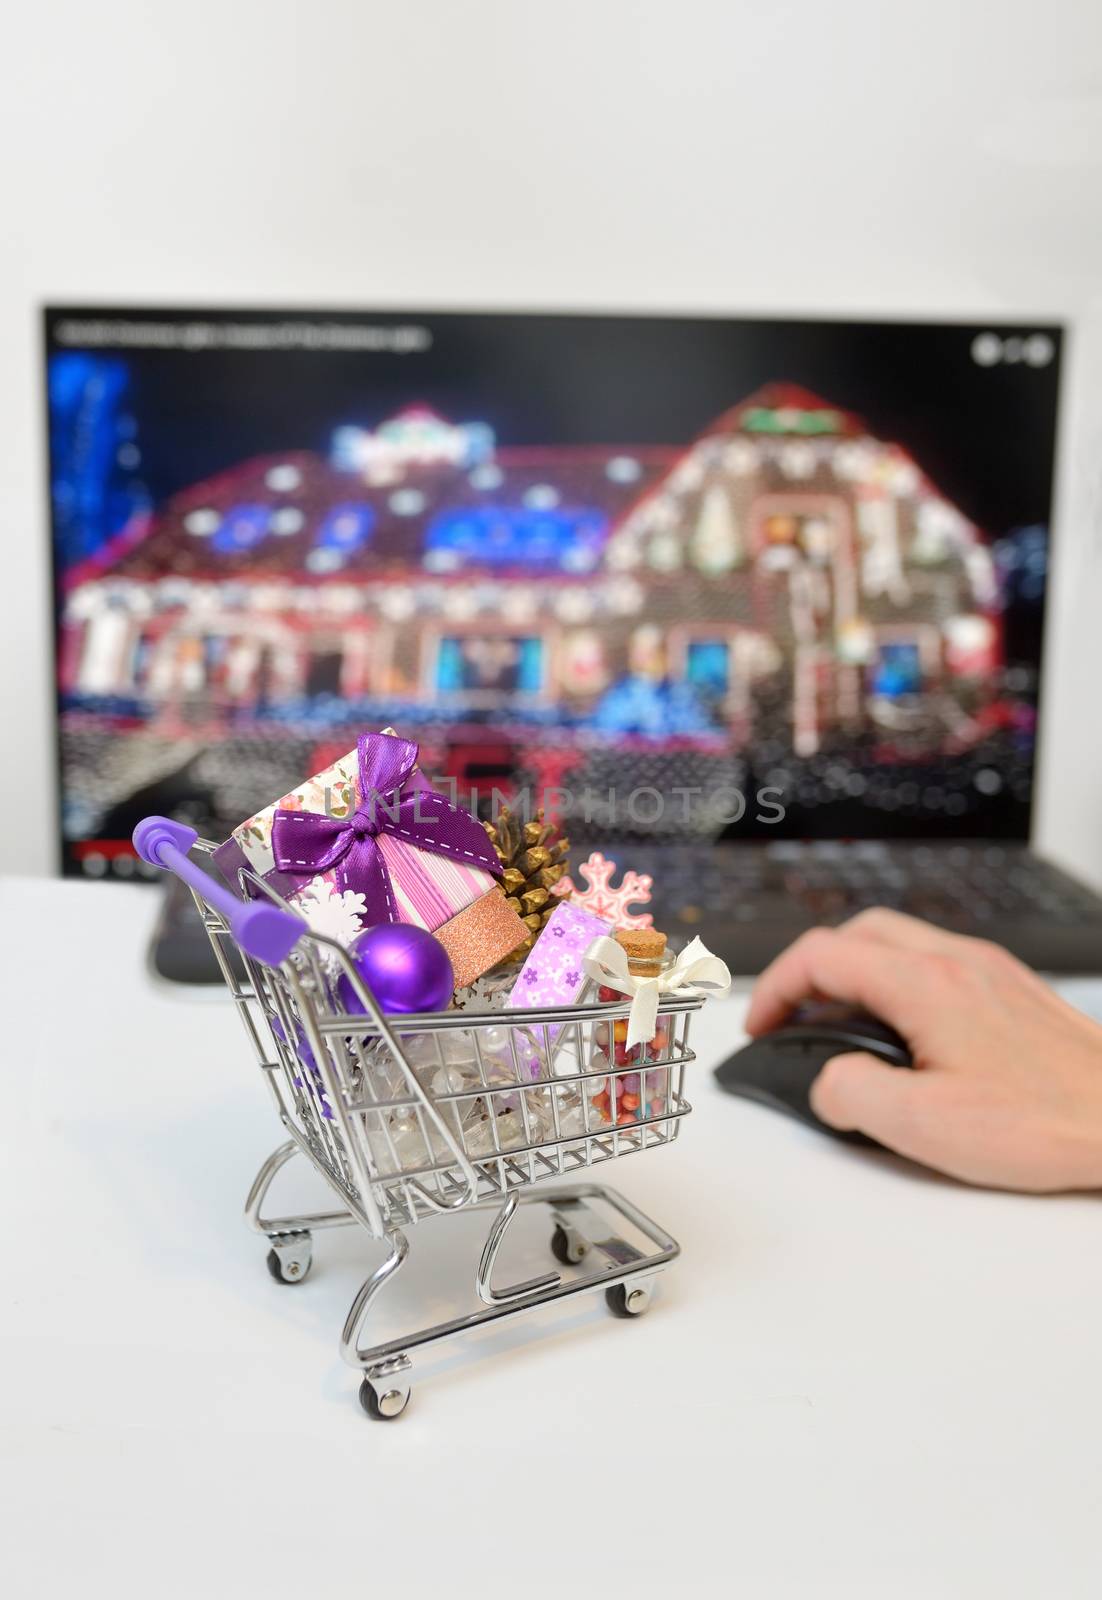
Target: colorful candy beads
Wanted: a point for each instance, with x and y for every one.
(638, 1094)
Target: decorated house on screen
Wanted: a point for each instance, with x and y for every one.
(787, 572)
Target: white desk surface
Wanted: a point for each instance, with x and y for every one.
(858, 1380)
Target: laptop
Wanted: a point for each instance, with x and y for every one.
(755, 605)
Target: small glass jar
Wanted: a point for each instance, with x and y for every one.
(637, 1095)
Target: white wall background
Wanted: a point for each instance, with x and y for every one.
(942, 157)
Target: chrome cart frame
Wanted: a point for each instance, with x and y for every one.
(415, 1116)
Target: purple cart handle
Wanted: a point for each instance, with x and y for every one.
(264, 932)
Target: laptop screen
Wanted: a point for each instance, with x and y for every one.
(675, 576)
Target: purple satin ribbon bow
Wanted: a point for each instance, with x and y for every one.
(310, 842)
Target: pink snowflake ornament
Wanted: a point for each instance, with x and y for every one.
(602, 900)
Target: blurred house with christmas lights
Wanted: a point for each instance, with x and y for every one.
(803, 567)
(787, 573)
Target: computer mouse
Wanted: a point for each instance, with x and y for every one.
(778, 1068)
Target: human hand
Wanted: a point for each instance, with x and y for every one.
(1008, 1087)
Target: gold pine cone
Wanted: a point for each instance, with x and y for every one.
(534, 856)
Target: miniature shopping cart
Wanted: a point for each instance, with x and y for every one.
(411, 1117)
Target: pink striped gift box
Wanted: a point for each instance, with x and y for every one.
(462, 905)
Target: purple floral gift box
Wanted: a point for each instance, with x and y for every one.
(553, 974)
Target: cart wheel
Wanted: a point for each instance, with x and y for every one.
(566, 1249)
(293, 1270)
(624, 1301)
(385, 1407)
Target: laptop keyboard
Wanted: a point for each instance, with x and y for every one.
(968, 887)
(747, 901)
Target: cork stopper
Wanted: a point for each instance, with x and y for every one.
(643, 945)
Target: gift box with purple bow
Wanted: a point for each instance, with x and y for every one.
(368, 840)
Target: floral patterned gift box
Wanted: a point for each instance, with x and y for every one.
(553, 973)
(369, 840)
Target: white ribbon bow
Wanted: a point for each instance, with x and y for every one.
(695, 969)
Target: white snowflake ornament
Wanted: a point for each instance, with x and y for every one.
(603, 900)
(336, 915)
(487, 993)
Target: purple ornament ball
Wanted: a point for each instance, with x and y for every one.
(404, 967)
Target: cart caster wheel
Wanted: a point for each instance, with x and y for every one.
(625, 1300)
(290, 1262)
(385, 1406)
(569, 1248)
